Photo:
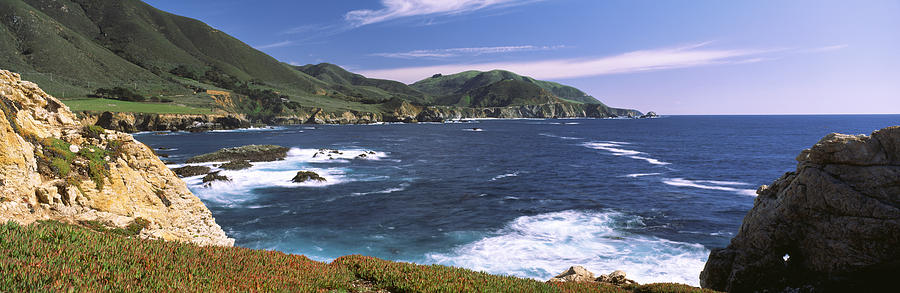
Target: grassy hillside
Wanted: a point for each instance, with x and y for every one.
(362, 87)
(51, 256)
(463, 82)
(509, 93)
(77, 49)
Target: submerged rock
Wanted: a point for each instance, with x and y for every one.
(236, 165)
(214, 176)
(191, 171)
(252, 153)
(832, 225)
(303, 176)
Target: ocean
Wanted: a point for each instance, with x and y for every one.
(524, 197)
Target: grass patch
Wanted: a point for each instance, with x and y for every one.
(52, 256)
(135, 107)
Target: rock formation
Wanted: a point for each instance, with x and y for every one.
(134, 122)
(303, 176)
(191, 171)
(252, 153)
(832, 225)
(54, 168)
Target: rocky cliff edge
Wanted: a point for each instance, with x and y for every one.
(833, 225)
(54, 168)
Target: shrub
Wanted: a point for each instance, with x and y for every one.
(119, 93)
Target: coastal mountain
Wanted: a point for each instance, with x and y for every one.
(157, 62)
(54, 168)
(450, 89)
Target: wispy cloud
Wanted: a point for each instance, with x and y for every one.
(829, 48)
(275, 45)
(457, 52)
(636, 61)
(394, 9)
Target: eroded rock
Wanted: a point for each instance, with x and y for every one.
(832, 225)
(107, 177)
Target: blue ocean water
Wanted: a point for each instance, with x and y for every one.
(520, 197)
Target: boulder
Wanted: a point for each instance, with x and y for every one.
(252, 153)
(574, 274)
(832, 225)
(304, 176)
(190, 171)
(616, 278)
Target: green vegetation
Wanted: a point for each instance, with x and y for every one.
(122, 106)
(450, 88)
(52, 256)
(98, 167)
(142, 59)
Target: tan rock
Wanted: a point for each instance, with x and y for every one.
(574, 274)
(135, 183)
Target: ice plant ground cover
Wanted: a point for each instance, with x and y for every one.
(52, 256)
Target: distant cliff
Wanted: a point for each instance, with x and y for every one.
(833, 225)
(54, 168)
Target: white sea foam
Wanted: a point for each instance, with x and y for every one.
(541, 246)
(560, 137)
(474, 129)
(572, 123)
(616, 148)
(498, 177)
(251, 129)
(649, 160)
(276, 174)
(711, 185)
(641, 175)
(402, 187)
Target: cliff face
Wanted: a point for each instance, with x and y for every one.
(134, 122)
(832, 225)
(53, 167)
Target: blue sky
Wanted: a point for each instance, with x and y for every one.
(673, 57)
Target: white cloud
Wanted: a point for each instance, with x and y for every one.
(394, 9)
(456, 52)
(630, 62)
(275, 45)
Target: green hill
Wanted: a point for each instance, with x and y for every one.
(358, 85)
(80, 50)
(463, 82)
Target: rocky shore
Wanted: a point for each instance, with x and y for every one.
(404, 112)
(52, 167)
(833, 225)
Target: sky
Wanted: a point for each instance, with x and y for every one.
(672, 57)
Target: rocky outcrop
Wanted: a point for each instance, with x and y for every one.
(252, 153)
(303, 176)
(833, 225)
(134, 122)
(650, 114)
(402, 111)
(54, 168)
(191, 171)
(236, 165)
